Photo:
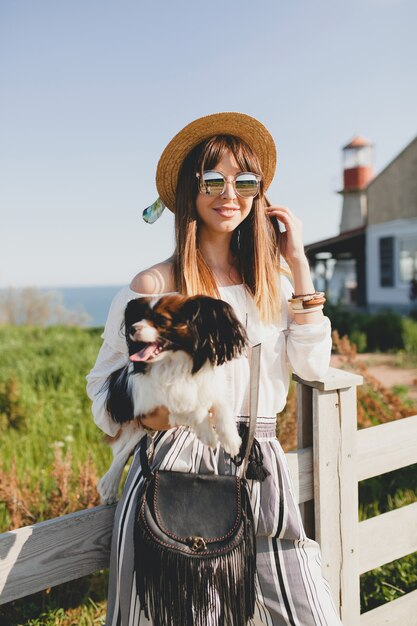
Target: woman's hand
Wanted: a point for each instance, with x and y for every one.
(157, 419)
(292, 246)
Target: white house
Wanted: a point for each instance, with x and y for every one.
(372, 263)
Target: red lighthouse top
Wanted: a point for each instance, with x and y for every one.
(358, 142)
(358, 169)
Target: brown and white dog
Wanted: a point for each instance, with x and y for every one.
(175, 344)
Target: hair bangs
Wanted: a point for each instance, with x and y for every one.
(213, 149)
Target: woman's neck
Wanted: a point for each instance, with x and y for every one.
(216, 251)
(218, 256)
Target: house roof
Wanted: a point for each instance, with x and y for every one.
(332, 242)
(382, 172)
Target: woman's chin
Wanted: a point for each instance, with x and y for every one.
(221, 227)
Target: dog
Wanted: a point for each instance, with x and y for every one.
(175, 344)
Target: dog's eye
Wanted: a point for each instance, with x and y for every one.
(160, 320)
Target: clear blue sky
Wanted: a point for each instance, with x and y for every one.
(93, 90)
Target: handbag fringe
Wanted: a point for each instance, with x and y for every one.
(176, 590)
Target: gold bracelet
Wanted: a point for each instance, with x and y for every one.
(317, 295)
(307, 295)
(311, 310)
(297, 304)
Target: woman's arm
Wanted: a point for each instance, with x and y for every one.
(292, 249)
(108, 361)
(309, 334)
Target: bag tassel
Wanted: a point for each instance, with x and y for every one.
(255, 469)
(210, 587)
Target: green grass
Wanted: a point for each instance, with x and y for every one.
(78, 603)
(43, 403)
(44, 407)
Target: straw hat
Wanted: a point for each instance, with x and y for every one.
(243, 126)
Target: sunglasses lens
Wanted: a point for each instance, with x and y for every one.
(247, 185)
(212, 184)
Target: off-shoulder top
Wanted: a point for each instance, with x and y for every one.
(286, 345)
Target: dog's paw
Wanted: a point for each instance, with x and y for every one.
(232, 444)
(207, 436)
(107, 490)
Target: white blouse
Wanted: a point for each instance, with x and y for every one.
(303, 348)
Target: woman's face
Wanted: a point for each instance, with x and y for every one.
(224, 213)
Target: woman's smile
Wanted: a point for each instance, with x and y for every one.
(226, 211)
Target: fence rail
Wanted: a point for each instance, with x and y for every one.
(53, 552)
(332, 457)
(343, 456)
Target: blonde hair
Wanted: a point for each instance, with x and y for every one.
(254, 244)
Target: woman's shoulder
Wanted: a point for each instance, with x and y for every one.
(158, 278)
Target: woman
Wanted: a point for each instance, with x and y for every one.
(213, 175)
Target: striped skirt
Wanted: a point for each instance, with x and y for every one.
(290, 586)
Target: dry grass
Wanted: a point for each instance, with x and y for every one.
(73, 490)
(377, 404)
(287, 422)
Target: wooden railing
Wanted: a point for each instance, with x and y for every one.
(332, 457)
(341, 457)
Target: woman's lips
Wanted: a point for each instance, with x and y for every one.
(226, 211)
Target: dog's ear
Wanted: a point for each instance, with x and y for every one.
(119, 403)
(134, 312)
(219, 336)
(226, 332)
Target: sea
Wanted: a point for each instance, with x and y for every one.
(95, 301)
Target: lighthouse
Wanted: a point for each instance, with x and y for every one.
(358, 171)
(347, 282)
(338, 263)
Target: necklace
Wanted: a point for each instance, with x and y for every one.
(246, 306)
(231, 280)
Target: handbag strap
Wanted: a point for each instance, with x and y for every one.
(255, 369)
(146, 454)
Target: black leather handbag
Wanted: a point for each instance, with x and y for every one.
(194, 541)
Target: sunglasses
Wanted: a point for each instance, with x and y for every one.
(212, 183)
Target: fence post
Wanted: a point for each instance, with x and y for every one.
(305, 440)
(333, 429)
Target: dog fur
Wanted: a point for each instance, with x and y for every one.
(175, 346)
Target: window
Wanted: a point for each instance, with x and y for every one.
(386, 261)
(408, 259)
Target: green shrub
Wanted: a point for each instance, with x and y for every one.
(383, 331)
(359, 339)
(344, 320)
(389, 582)
(379, 495)
(409, 327)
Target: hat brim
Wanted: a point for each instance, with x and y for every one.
(238, 124)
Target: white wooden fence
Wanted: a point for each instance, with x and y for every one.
(332, 457)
